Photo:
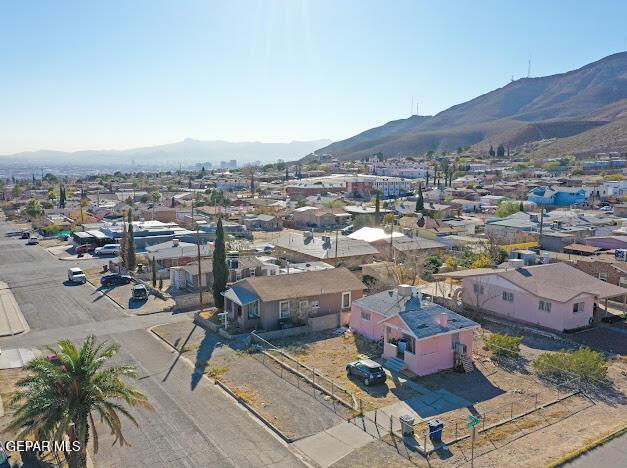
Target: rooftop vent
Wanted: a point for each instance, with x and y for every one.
(516, 263)
(405, 290)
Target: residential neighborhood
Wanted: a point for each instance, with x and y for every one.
(423, 303)
(224, 242)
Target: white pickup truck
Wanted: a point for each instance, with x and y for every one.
(76, 275)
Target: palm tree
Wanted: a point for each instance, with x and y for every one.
(59, 397)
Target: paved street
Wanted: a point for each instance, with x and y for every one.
(613, 453)
(190, 427)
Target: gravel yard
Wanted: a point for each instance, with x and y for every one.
(296, 413)
(329, 354)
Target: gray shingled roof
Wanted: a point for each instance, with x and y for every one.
(560, 282)
(306, 284)
(313, 247)
(420, 316)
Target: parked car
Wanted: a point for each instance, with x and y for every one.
(115, 279)
(25, 235)
(76, 275)
(32, 240)
(140, 292)
(368, 370)
(607, 208)
(348, 230)
(107, 249)
(82, 249)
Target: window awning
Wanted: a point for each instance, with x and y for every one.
(240, 296)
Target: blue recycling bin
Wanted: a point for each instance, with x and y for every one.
(435, 430)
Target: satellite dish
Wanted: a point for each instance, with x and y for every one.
(421, 222)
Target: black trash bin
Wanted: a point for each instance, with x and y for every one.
(435, 430)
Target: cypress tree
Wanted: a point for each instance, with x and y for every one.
(130, 244)
(220, 269)
(420, 203)
(61, 196)
(521, 207)
(154, 273)
(377, 204)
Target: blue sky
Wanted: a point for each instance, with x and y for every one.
(119, 74)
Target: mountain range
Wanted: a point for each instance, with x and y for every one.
(580, 111)
(186, 152)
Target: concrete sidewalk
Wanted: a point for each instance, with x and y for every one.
(12, 321)
(328, 447)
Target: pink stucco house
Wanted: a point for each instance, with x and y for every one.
(418, 336)
(554, 296)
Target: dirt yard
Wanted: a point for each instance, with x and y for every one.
(290, 406)
(497, 391)
(329, 354)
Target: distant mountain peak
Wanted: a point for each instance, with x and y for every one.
(569, 103)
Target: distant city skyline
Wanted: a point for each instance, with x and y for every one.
(126, 74)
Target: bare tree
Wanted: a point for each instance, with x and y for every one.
(482, 292)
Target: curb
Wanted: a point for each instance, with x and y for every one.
(588, 448)
(245, 404)
(232, 394)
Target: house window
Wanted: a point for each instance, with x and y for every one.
(238, 275)
(284, 309)
(477, 288)
(365, 316)
(544, 306)
(622, 282)
(508, 296)
(253, 272)
(603, 276)
(578, 307)
(346, 300)
(253, 310)
(302, 306)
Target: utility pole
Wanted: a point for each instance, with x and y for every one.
(199, 266)
(336, 236)
(472, 448)
(541, 219)
(391, 240)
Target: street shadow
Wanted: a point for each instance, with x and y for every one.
(180, 350)
(203, 355)
(136, 303)
(69, 283)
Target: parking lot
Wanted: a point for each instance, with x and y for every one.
(122, 295)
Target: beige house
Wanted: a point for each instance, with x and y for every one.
(274, 302)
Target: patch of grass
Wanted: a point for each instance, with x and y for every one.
(247, 395)
(216, 371)
(186, 348)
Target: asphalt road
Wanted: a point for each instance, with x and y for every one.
(191, 426)
(613, 453)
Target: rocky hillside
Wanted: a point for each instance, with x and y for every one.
(529, 109)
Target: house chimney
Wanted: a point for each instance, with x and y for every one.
(175, 242)
(444, 319)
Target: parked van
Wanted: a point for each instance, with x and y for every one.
(76, 275)
(108, 249)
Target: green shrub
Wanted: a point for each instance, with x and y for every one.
(504, 345)
(585, 363)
